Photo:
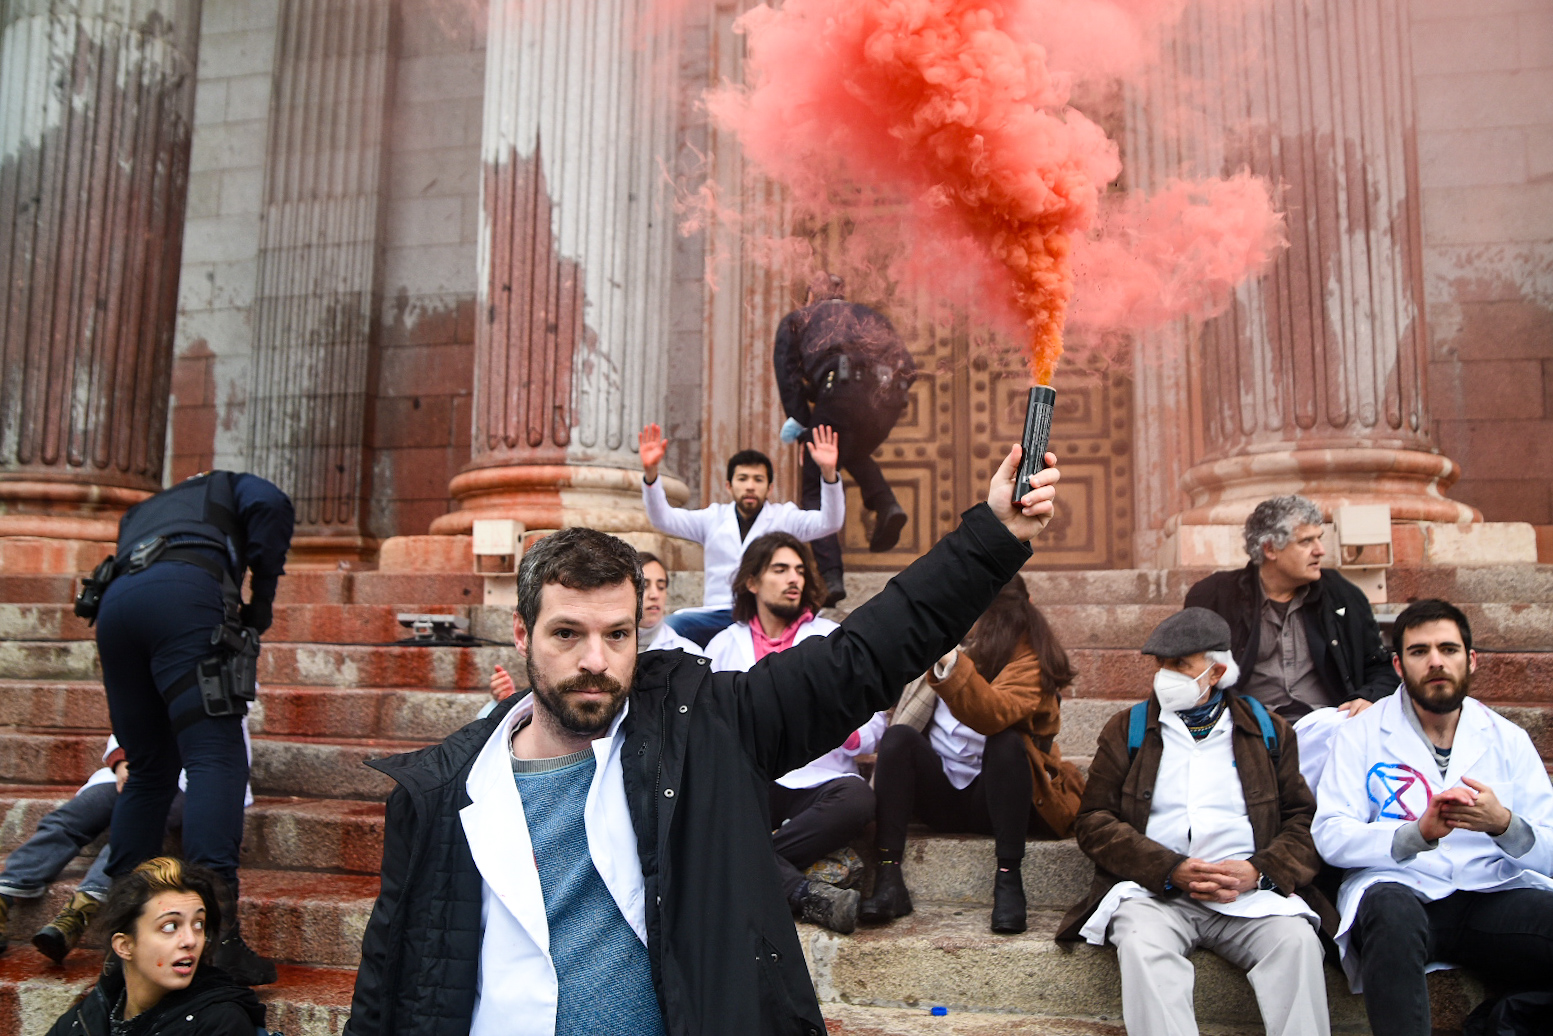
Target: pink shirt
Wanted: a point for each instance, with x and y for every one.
(764, 645)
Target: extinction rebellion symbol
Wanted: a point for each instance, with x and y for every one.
(1400, 792)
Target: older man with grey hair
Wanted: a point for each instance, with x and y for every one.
(1304, 636)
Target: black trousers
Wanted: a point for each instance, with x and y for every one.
(861, 426)
(152, 629)
(818, 821)
(1507, 936)
(909, 781)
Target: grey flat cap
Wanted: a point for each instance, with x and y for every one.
(1187, 632)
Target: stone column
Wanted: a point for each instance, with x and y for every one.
(1315, 380)
(96, 104)
(317, 283)
(575, 242)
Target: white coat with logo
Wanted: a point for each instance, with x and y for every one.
(1380, 775)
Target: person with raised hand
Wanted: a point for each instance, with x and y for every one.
(723, 530)
(594, 857)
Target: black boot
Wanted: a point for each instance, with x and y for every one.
(835, 588)
(1008, 901)
(888, 524)
(5, 921)
(890, 899)
(233, 955)
(822, 903)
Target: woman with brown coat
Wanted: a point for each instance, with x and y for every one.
(972, 750)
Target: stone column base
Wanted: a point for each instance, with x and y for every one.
(60, 527)
(1413, 543)
(558, 496)
(328, 553)
(1410, 482)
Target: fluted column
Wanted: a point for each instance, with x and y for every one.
(572, 320)
(318, 266)
(96, 103)
(1314, 381)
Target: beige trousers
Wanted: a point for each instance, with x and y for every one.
(1281, 956)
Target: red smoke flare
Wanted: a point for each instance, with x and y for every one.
(952, 105)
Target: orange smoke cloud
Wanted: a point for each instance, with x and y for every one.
(953, 107)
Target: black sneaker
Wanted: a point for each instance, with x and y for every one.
(829, 907)
(887, 528)
(246, 967)
(56, 939)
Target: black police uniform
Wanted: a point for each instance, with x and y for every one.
(154, 628)
(842, 364)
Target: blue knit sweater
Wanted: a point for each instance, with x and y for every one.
(603, 969)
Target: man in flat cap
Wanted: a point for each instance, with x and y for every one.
(1198, 822)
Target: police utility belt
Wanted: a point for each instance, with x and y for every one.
(228, 679)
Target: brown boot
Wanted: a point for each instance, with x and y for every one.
(56, 939)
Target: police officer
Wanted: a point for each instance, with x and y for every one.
(178, 648)
(842, 364)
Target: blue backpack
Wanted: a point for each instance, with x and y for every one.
(1138, 718)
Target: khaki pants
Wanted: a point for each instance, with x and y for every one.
(1281, 955)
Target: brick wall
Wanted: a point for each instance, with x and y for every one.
(420, 420)
(213, 342)
(1485, 139)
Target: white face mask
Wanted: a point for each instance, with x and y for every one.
(1177, 691)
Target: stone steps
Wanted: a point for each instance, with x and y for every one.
(944, 954)
(382, 713)
(295, 765)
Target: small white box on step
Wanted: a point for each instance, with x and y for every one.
(498, 547)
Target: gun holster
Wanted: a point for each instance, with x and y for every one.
(88, 600)
(228, 680)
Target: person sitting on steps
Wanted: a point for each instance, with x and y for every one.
(821, 806)
(723, 530)
(160, 980)
(1198, 822)
(983, 758)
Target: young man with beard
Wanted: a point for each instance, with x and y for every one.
(824, 804)
(723, 530)
(594, 857)
(1442, 812)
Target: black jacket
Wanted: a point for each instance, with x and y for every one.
(212, 1005)
(811, 340)
(1345, 644)
(725, 955)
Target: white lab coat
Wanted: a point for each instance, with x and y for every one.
(1380, 775)
(518, 988)
(716, 528)
(105, 775)
(733, 649)
(665, 639)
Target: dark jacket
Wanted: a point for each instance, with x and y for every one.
(1115, 813)
(212, 1005)
(810, 342)
(725, 955)
(1345, 644)
(1016, 699)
